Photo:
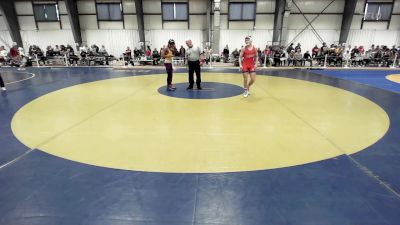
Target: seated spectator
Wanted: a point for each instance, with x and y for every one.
(49, 51)
(63, 49)
(290, 59)
(3, 55)
(156, 57)
(147, 53)
(355, 56)
(94, 49)
(14, 52)
(268, 57)
(307, 58)
(72, 58)
(367, 56)
(361, 49)
(57, 50)
(277, 57)
(128, 54)
(136, 53)
(346, 57)
(298, 58)
(284, 56)
(103, 51)
(83, 56)
(315, 51)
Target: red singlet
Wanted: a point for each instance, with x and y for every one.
(248, 59)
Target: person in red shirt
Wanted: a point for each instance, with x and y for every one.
(249, 65)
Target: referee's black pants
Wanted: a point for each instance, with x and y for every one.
(194, 66)
(1, 81)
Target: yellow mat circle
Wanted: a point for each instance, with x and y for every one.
(394, 78)
(125, 123)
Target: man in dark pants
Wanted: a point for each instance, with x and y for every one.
(193, 57)
(2, 84)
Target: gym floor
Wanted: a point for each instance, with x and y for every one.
(103, 146)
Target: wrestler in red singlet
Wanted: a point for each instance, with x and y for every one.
(248, 66)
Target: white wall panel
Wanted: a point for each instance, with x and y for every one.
(159, 38)
(114, 25)
(62, 8)
(316, 6)
(297, 21)
(375, 25)
(3, 25)
(44, 38)
(197, 6)
(115, 41)
(369, 37)
(152, 6)
(88, 22)
(26, 22)
(129, 6)
(223, 22)
(241, 25)
(5, 39)
(360, 6)
(86, 6)
(396, 7)
(224, 6)
(235, 38)
(356, 22)
(264, 21)
(198, 22)
(48, 25)
(65, 22)
(308, 39)
(175, 25)
(152, 22)
(24, 8)
(395, 23)
(131, 22)
(265, 6)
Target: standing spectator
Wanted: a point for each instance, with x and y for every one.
(182, 54)
(128, 55)
(297, 47)
(290, 48)
(226, 54)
